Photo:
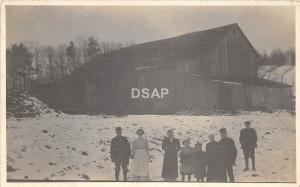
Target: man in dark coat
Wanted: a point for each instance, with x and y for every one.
(120, 153)
(228, 156)
(213, 162)
(171, 146)
(248, 140)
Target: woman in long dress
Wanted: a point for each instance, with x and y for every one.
(171, 147)
(141, 159)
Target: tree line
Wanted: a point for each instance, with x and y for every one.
(29, 65)
(278, 57)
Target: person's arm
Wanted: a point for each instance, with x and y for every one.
(178, 145)
(255, 137)
(112, 147)
(131, 149)
(164, 145)
(234, 152)
(241, 137)
(147, 149)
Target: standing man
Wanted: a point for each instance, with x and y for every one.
(171, 146)
(213, 162)
(248, 140)
(228, 156)
(120, 153)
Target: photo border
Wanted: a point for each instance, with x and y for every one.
(3, 174)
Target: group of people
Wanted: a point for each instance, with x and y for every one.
(213, 165)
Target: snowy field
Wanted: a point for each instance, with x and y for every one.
(76, 147)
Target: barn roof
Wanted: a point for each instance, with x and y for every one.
(191, 46)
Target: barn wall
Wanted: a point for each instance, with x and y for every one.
(274, 97)
(185, 92)
(245, 96)
(67, 96)
(109, 91)
(112, 95)
(234, 56)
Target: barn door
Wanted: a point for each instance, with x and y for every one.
(225, 98)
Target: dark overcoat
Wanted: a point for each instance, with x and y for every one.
(248, 138)
(213, 161)
(228, 156)
(120, 150)
(170, 163)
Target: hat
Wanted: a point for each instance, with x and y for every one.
(223, 130)
(140, 130)
(118, 129)
(247, 122)
(170, 131)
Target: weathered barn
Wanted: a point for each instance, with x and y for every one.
(211, 69)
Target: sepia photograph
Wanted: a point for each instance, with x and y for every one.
(150, 93)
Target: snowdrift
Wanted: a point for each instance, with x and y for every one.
(21, 105)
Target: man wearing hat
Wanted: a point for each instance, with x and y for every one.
(248, 140)
(228, 156)
(120, 153)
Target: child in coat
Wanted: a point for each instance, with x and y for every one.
(186, 160)
(200, 162)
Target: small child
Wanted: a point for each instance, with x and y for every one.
(186, 160)
(200, 162)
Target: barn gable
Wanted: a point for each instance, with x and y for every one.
(233, 55)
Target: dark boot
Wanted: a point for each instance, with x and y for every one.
(125, 175)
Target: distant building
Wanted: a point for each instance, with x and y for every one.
(211, 69)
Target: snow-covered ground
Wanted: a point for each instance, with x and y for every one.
(76, 147)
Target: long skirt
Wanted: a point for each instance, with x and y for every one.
(186, 169)
(170, 166)
(140, 164)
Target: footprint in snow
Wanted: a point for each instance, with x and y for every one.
(11, 169)
(45, 131)
(84, 153)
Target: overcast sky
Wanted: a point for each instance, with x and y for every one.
(266, 27)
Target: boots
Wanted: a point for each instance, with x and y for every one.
(125, 175)
(247, 165)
